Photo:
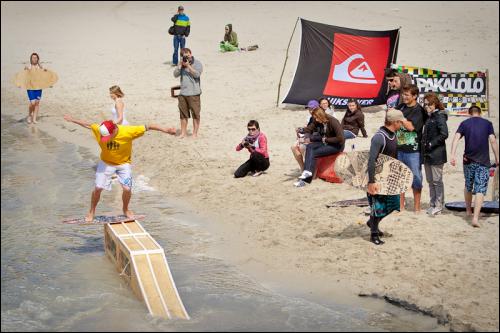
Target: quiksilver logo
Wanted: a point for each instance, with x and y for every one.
(361, 74)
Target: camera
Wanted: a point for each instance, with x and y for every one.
(185, 59)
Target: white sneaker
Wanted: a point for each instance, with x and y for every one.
(300, 183)
(429, 210)
(305, 174)
(436, 211)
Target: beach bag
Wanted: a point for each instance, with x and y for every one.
(171, 30)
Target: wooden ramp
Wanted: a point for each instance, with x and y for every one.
(142, 263)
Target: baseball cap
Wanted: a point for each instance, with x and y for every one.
(312, 104)
(106, 129)
(180, 8)
(394, 115)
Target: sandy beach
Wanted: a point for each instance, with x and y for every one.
(274, 231)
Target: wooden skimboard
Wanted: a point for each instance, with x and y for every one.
(100, 219)
(35, 79)
(392, 175)
(142, 263)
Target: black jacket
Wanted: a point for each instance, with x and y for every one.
(434, 139)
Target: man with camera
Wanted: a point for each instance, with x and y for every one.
(189, 70)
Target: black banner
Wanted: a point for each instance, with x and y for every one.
(341, 63)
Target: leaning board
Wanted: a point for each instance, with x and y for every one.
(35, 79)
(142, 263)
(392, 175)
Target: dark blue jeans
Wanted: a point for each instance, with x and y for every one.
(318, 149)
(178, 40)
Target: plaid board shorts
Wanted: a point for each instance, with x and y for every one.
(476, 178)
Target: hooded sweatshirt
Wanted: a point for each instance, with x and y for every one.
(231, 36)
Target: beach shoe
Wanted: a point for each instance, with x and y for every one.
(305, 174)
(375, 240)
(429, 210)
(300, 183)
(436, 211)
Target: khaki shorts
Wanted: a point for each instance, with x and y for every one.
(189, 103)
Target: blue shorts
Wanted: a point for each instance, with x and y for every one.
(412, 161)
(476, 178)
(34, 95)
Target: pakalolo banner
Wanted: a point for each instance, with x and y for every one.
(342, 63)
(457, 91)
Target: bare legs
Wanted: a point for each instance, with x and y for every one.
(184, 124)
(33, 109)
(96, 195)
(478, 203)
(417, 193)
(94, 199)
(299, 156)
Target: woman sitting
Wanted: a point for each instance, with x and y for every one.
(329, 141)
(354, 120)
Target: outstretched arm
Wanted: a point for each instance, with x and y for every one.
(156, 127)
(82, 123)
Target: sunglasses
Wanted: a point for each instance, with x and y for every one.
(251, 129)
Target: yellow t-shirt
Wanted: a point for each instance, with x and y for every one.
(119, 150)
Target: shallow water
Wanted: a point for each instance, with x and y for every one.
(56, 277)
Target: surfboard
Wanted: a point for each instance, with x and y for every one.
(101, 219)
(489, 207)
(393, 176)
(35, 79)
(361, 202)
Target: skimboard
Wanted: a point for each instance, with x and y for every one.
(361, 202)
(489, 207)
(35, 79)
(392, 176)
(101, 219)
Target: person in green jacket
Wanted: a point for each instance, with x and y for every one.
(230, 42)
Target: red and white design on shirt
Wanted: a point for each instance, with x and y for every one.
(358, 65)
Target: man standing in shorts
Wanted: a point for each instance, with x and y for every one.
(477, 132)
(116, 154)
(189, 70)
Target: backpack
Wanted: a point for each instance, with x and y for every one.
(171, 30)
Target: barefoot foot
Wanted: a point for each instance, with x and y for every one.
(129, 214)
(89, 217)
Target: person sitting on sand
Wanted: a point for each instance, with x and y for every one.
(230, 42)
(383, 142)
(329, 141)
(326, 105)
(256, 144)
(476, 159)
(116, 154)
(299, 147)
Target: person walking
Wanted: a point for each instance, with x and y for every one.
(478, 132)
(118, 110)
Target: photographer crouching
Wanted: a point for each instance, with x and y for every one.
(256, 143)
(189, 70)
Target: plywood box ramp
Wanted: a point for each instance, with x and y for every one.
(142, 263)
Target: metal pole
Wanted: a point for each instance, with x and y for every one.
(284, 65)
